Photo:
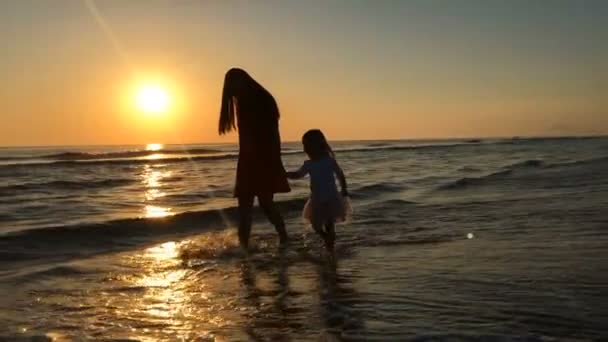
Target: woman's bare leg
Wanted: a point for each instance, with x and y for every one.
(274, 216)
(318, 228)
(245, 211)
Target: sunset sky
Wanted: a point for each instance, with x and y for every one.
(70, 70)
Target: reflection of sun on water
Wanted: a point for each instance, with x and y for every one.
(180, 301)
(162, 279)
(155, 156)
(151, 194)
(152, 211)
(154, 147)
(152, 181)
(166, 251)
(164, 301)
(152, 178)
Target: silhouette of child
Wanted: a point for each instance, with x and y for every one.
(326, 205)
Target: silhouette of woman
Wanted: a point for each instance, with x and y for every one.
(260, 172)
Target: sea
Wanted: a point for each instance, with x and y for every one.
(450, 240)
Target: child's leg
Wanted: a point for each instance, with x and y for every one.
(318, 228)
(330, 235)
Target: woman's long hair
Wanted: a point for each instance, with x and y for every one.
(247, 92)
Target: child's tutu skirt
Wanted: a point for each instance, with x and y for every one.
(336, 210)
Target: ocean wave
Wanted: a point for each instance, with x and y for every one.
(380, 144)
(70, 155)
(466, 182)
(397, 202)
(118, 161)
(463, 337)
(371, 148)
(370, 211)
(10, 190)
(57, 271)
(530, 169)
(468, 169)
(437, 239)
(5, 217)
(9, 158)
(531, 163)
(593, 162)
(198, 196)
(180, 156)
(8, 256)
(377, 188)
(540, 164)
(111, 234)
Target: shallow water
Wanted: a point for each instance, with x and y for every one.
(501, 240)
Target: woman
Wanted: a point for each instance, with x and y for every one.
(260, 172)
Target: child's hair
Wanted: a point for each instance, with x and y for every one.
(315, 145)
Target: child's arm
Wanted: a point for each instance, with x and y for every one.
(341, 178)
(300, 173)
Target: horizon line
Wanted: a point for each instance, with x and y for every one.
(514, 137)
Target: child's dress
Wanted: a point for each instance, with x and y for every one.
(325, 203)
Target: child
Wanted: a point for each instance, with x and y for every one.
(325, 206)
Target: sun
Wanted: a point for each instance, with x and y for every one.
(152, 99)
